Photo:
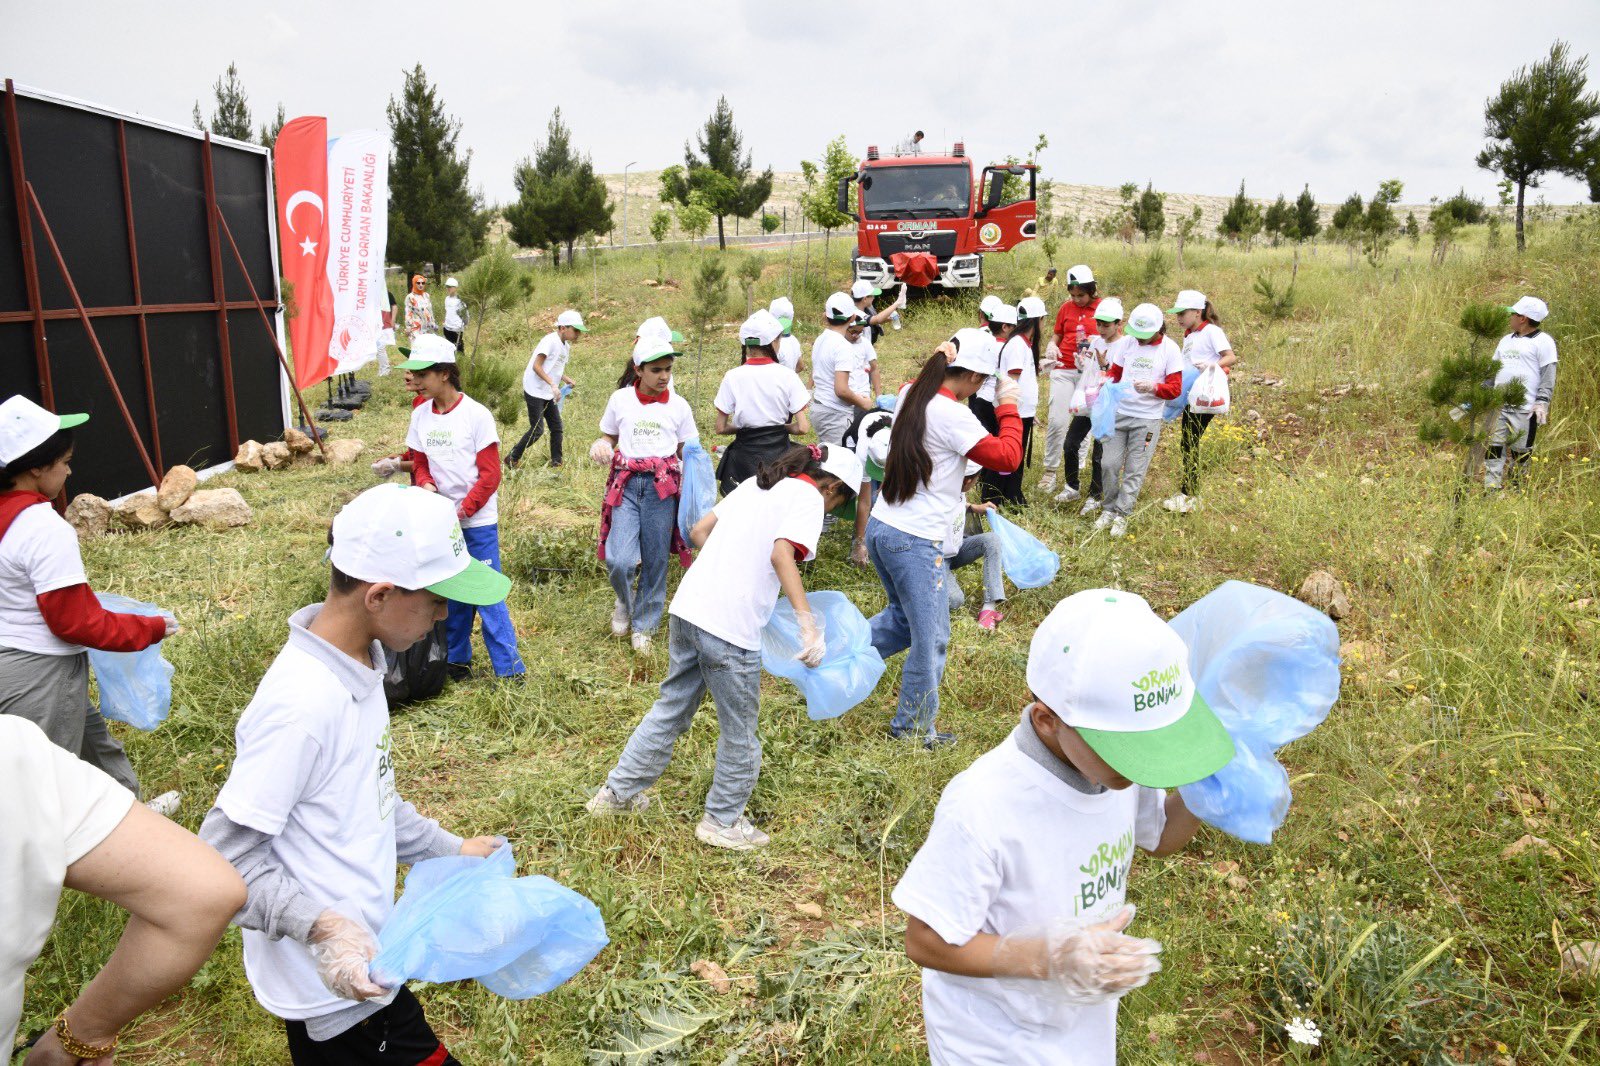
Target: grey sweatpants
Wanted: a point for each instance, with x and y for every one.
(830, 423)
(1510, 431)
(52, 692)
(1124, 461)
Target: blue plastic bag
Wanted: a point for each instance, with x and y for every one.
(464, 917)
(850, 666)
(1024, 557)
(1103, 415)
(887, 401)
(699, 491)
(1269, 667)
(135, 686)
(1176, 407)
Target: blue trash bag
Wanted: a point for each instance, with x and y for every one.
(1024, 557)
(699, 492)
(135, 686)
(465, 917)
(1269, 667)
(887, 401)
(1176, 407)
(1103, 415)
(850, 666)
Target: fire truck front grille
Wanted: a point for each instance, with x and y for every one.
(942, 245)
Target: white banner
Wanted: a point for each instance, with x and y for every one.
(358, 231)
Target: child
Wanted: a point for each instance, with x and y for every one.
(1204, 345)
(749, 545)
(455, 314)
(645, 425)
(840, 381)
(455, 451)
(309, 815)
(760, 402)
(49, 617)
(541, 385)
(1066, 357)
(790, 353)
(1153, 365)
(1108, 330)
(1002, 328)
(1015, 903)
(963, 549)
(419, 309)
(999, 321)
(1526, 354)
(1019, 359)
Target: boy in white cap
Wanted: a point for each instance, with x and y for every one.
(310, 816)
(1526, 354)
(1152, 366)
(1016, 903)
(840, 384)
(542, 382)
(455, 314)
(790, 353)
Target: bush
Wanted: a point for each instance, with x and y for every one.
(1274, 304)
(496, 382)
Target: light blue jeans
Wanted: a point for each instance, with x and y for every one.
(499, 635)
(640, 542)
(699, 662)
(976, 546)
(917, 618)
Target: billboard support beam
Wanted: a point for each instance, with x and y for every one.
(219, 290)
(138, 294)
(30, 266)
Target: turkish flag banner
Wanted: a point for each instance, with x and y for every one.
(300, 168)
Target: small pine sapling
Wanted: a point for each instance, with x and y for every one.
(1464, 398)
(749, 275)
(710, 291)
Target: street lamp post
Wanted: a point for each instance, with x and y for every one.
(625, 204)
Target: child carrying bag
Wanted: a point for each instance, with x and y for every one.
(135, 686)
(850, 666)
(1176, 407)
(698, 494)
(1024, 558)
(1103, 418)
(1210, 394)
(1083, 397)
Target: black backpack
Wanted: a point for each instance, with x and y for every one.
(418, 673)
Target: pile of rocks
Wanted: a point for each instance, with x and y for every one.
(295, 449)
(179, 501)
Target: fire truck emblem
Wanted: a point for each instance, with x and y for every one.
(989, 234)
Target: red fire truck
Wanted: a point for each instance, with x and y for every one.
(925, 220)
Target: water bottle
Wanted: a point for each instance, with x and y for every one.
(894, 318)
(1080, 349)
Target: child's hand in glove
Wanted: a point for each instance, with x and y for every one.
(1007, 392)
(601, 452)
(1079, 964)
(812, 645)
(342, 948)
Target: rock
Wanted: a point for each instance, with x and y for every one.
(249, 456)
(1237, 882)
(1580, 963)
(1252, 415)
(214, 508)
(89, 515)
(344, 451)
(143, 511)
(298, 442)
(276, 455)
(1323, 591)
(1527, 841)
(1225, 867)
(713, 975)
(177, 486)
(809, 910)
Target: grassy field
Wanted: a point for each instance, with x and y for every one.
(1388, 910)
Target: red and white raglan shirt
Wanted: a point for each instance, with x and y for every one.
(457, 451)
(952, 436)
(1068, 318)
(46, 605)
(1159, 362)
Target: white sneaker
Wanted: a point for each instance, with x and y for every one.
(1047, 481)
(1175, 502)
(608, 802)
(1090, 506)
(1119, 526)
(619, 620)
(641, 642)
(166, 804)
(1067, 495)
(1105, 519)
(740, 836)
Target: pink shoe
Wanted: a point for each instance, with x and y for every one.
(989, 619)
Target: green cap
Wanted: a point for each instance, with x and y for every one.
(479, 585)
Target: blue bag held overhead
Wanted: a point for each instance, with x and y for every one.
(1176, 407)
(1103, 415)
(135, 686)
(1023, 556)
(1269, 667)
(463, 917)
(850, 666)
(698, 494)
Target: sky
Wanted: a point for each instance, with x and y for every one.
(1193, 96)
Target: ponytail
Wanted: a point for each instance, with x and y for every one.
(1209, 314)
(909, 466)
(630, 375)
(800, 459)
(1031, 336)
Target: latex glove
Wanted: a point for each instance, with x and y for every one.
(600, 452)
(386, 467)
(1078, 964)
(1541, 412)
(173, 628)
(858, 553)
(1052, 355)
(1009, 391)
(812, 645)
(1145, 387)
(342, 948)
(482, 847)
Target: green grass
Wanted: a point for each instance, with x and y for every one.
(1475, 727)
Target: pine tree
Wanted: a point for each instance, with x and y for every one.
(492, 285)
(1346, 224)
(559, 198)
(1242, 220)
(1464, 397)
(820, 201)
(1307, 219)
(1188, 226)
(660, 223)
(231, 117)
(434, 217)
(1541, 121)
(1149, 213)
(1279, 219)
(722, 177)
(269, 134)
(1379, 224)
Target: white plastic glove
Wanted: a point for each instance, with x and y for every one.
(1052, 355)
(1009, 391)
(1541, 412)
(173, 628)
(386, 467)
(600, 452)
(1077, 964)
(343, 949)
(858, 554)
(812, 645)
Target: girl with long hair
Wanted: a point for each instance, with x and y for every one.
(1204, 345)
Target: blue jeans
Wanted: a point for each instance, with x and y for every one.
(641, 541)
(917, 617)
(975, 546)
(700, 661)
(499, 636)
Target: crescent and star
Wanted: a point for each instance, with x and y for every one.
(304, 196)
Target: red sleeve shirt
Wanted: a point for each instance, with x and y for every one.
(75, 615)
(488, 481)
(1002, 453)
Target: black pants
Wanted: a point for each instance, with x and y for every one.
(398, 1035)
(1194, 427)
(1007, 488)
(454, 337)
(1078, 429)
(540, 411)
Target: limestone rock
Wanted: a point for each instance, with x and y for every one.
(176, 487)
(143, 511)
(89, 515)
(249, 456)
(713, 975)
(1324, 592)
(808, 910)
(1529, 841)
(1580, 963)
(344, 451)
(276, 455)
(214, 508)
(298, 442)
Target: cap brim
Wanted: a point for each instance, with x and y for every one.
(581, 329)
(1136, 335)
(786, 323)
(871, 470)
(68, 421)
(676, 338)
(1190, 749)
(420, 364)
(479, 585)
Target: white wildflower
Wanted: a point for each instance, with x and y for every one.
(1304, 1031)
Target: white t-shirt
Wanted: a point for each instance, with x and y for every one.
(452, 441)
(312, 768)
(986, 391)
(1017, 356)
(646, 430)
(831, 353)
(38, 554)
(952, 430)
(1521, 359)
(956, 531)
(58, 809)
(731, 589)
(761, 394)
(1013, 846)
(1204, 347)
(453, 306)
(1145, 362)
(866, 355)
(555, 353)
(789, 352)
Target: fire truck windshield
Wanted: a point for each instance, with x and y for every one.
(938, 191)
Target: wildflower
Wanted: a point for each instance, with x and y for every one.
(1304, 1031)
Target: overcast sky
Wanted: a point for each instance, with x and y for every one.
(1341, 95)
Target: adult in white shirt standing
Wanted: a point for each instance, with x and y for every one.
(760, 402)
(839, 382)
(455, 313)
(1526, 354)
(542, 384)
